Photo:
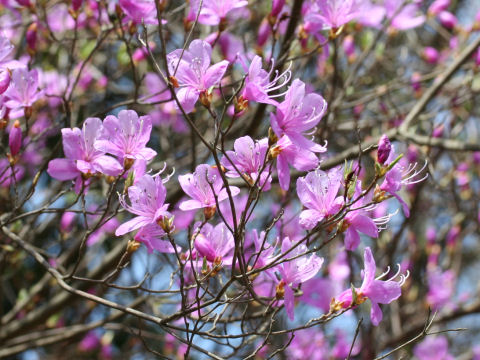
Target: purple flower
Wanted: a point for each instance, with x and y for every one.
(247, 161)
(6, 49)
(287, 153)
(332, 14)
(404, 19)
(202, 186)
(151, 235)
(296, 271)
(308, 344)
(258, 84)
(126, 137)
(215, 243)
(433, 348)
(378, 291)
(298, 113)
(5, 78)
(147, 199)
(23, 90)
(441, 286)
(82, 158)
(192, 71)
(399, 176)
(318, 193)
(139, 10)
(214, 12)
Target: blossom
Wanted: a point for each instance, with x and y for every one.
(82, 158)
(397, 177)
(433, 348)
(403, 16)
(151, 235)
(298, 113)
(287, 153)
(203, 186)
(126, 137)
(296, 271)
(441, 286)
(214, 12)
(23, 90)
(139, 10)
(147, 198)
(374, 289)
(318, 193)
(193, 74)
(15, 138)
(438, 6)
(215, 243)
(332, 14)
(258, 84)
(247, 161)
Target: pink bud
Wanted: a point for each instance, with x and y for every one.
(438, 6)
(15, 138)
(438, 131)
(384, 148)
(5, 77)
(204, 248)
(76, 4)
(349, 45)
(415, 81)
(430, 55)
(31, 37)
(453, 235)
(277, 6)
(263, 32)
(447, 19)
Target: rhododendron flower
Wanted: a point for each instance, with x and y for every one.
(441, 287)
(193, 74)
(215, 243)
(151, 235)
(295, 271)
(147, 199)
(214, 12)
(332, 14)
(433, 348)
(374, 289)
(139, 10)
(126, 137)
(6, 49)
(258, 84)
(384, 148)
(287, 153)
(5, 78)
(82, 158)
(298, 113)
(247, 161)
(202, 186)
(23, 90)
(406, 18)
(318, 193)
(399, 176)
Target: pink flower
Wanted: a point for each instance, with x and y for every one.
(374, 289)
(296, 271)
(332, 14)
(399, 176)
(151, 235)
(433, 348)
(147, 199)
(126, 137)
(215, 243)
(441, 287)
(406, 18)
(23, 90)
(191, 69)
(384, 148)
(287, 153)
(298, 113)
(214, 12)
(248, 159)
(318, 193)
(203, 186)
(139, 10)
(258, 84)
(82, 158)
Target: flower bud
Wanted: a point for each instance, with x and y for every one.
(384, 148)
(209, 212)
(76, 4)
(5, 77)
(132, 246)
(438, 6)
(15, 138)
(31, 38)
(430, 55)
(277, 6)
(447, 19)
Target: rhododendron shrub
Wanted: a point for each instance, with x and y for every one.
(239, 179)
